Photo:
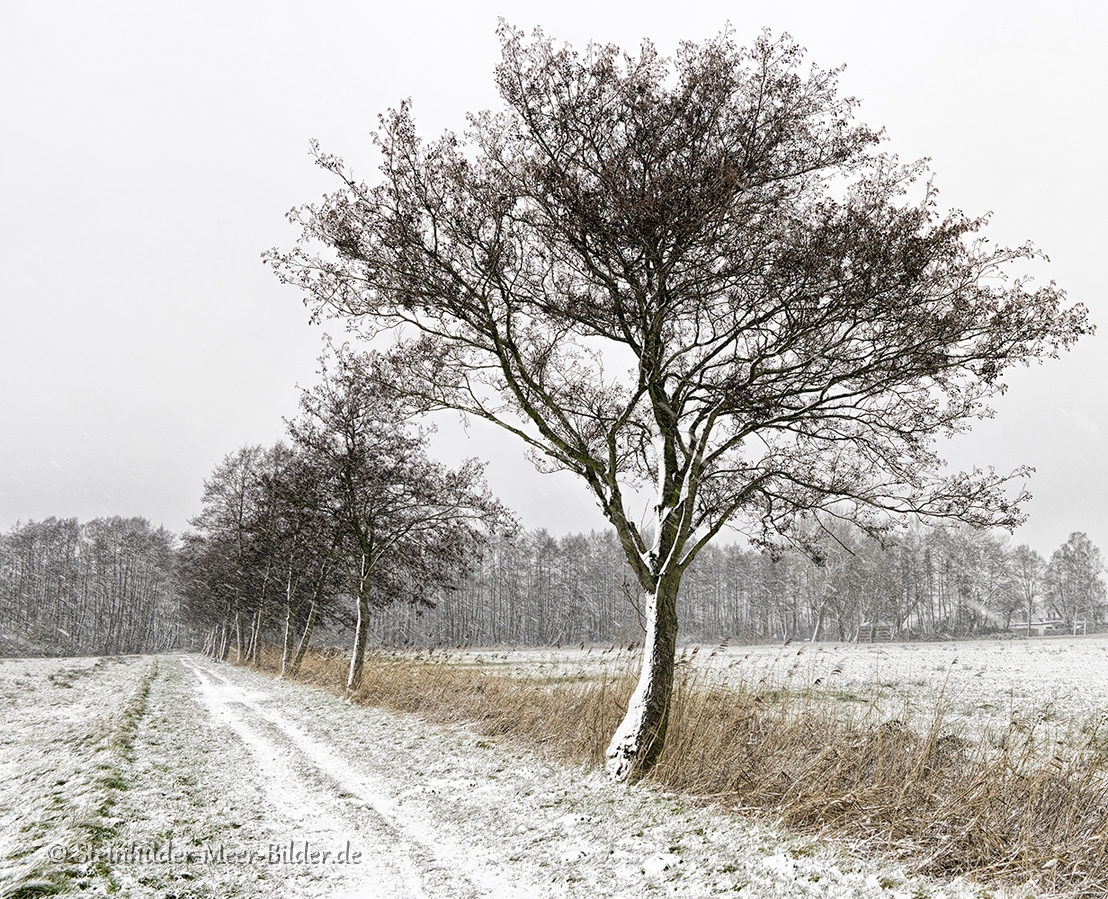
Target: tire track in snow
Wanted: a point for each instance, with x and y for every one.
(311, 785)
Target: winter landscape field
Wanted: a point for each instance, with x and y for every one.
(175, 776)
(981, 685)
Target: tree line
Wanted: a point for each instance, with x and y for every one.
(535, 589)
(116, 585)
(347, 517)
(99, 588)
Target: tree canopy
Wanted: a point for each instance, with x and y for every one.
(698, 273)
(401, 524)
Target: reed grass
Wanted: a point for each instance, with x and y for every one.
(1010, 809)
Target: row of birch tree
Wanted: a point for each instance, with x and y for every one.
(102, 587)
(347, 517)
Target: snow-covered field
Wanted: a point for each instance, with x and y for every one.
(1059, 684)
(180, 777)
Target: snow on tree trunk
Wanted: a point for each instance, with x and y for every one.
(638, 740)
(253, 654)
(286, 648)
(357, 659)
(819, 625)
(305, 638)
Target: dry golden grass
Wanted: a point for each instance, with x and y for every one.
(1000, 811)
(564, 720)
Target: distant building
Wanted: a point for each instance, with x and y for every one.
(876, 632)
(1049, 627)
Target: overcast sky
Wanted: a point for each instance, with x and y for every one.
(150, 151)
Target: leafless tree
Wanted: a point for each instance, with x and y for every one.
(401, 523)
(695, 274)
(1027, 568)
(103, 587)
(1074, 580)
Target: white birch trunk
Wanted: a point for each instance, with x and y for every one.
(639, 738)
(357, 658)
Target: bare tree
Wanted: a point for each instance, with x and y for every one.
(103, 587)
(1073, 579)
(227, 571)
(1027, 568)
(402, 524)
(695, 274)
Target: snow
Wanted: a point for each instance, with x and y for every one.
(62, 743)
(1060, 684)
(624, 745)
(245, 777)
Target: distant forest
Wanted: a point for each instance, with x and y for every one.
(101, 588)
(931, 584)
(116, 585)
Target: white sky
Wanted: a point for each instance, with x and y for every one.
(149, 151)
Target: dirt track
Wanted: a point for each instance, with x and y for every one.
(352, 825)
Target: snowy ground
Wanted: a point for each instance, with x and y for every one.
(1059, 684)
(65, 725)
(219, 782)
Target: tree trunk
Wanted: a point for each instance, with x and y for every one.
(360, 632)
(305, 639)
(286, 643)
(639, 739)
(254, 646)
(256, 654)
(819, 623)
